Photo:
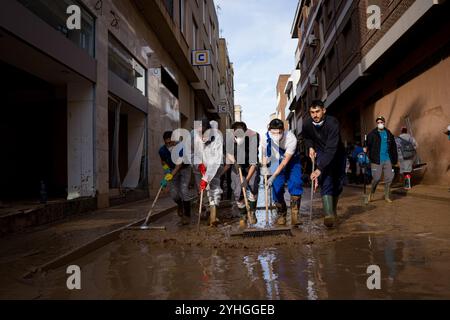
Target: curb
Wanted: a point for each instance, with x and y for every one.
(92, 245)
(405, 193)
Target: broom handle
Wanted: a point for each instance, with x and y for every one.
(153, 205)
(200, 211)
(312, 198)
(267, 199)
(245, 194)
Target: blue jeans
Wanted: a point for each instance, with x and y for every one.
(292, 174)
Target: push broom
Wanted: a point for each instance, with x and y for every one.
(145, 225)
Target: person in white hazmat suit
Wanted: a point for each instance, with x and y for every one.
(208, 161)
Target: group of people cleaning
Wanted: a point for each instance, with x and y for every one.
(280, 166)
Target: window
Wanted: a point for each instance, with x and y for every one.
(182, 15)
(123, 64)
(169, 82)
(54, 13)
(168, 4)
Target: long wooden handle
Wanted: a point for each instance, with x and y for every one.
(200, 211)
(153, 205)
(267, 199)
(247, 207)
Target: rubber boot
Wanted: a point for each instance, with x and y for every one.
(329, 220)
(387, 193)
(371, 196)
(252, 205)
(243, 218)
(281, 213)
(180, 208)
(213, 222)
(407, 182)
(295, 210)
(335, 204)
(186, 219)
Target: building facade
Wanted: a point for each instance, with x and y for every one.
(84, 109)
(282, 99)
(398, 68)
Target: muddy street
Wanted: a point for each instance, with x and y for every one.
(408, 240)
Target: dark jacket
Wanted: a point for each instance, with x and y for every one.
(325, 140)
(374, 145)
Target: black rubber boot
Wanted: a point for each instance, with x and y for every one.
(180, 208)
(329, 220)
(295, 210)
(281, 213)
(186, 219)
(252, 205)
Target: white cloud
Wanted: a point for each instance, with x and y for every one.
(258, 36)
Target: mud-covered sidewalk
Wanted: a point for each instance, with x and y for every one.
(21, 254)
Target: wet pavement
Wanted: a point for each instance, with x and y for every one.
(409, 240)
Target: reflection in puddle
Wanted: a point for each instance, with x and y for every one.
(125, 269)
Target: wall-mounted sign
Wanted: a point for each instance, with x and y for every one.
(201, 58)
(222, 109)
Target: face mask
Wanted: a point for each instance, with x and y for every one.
(318, 124)
(381, 126)
(239, 140)
(276, 136)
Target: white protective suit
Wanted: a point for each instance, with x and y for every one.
(210, 153)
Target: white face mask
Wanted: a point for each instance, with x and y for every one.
(275, 136)
(318, 124)
(239, 140)
(381, 126)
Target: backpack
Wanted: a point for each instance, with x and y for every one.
(407, 149)
(363, 160)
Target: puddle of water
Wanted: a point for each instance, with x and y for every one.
(128, 270)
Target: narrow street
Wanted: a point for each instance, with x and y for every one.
(408, 240)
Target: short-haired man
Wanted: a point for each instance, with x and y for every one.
(382, 151)
(280, 149)
(245, 157)
(323, 141)
(177, 176)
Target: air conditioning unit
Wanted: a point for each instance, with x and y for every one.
(313, 80)
(312, 40)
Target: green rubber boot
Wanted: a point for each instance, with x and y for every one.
(335, 205)
(329, 220)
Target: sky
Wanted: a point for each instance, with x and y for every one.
(261, 48)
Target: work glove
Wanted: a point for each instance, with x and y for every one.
(202, 168)
(245, 184)
(265, 171)
(270, 181)
(203, 184)
(166, 169)
(168, 177)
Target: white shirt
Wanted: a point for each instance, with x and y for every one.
(288, 142)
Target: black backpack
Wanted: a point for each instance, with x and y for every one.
(407, 149)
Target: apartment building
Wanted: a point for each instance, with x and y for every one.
(282, 98)
(226, 82)
(83, 110)
(399, 69)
